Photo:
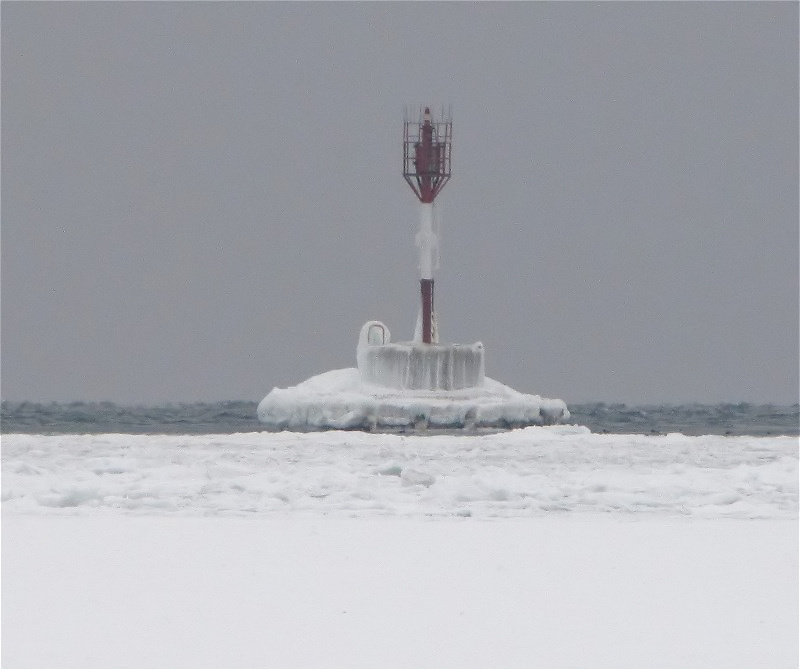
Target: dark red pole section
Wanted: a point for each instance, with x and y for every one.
(428, 160)
(426, 191)
(426, 288)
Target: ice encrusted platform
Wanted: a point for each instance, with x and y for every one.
(422, 367)
(339, 399)
(407, 386)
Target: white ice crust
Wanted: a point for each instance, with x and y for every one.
(339, 399)
(427, 242)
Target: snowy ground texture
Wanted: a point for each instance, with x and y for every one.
(531, 472)
(542, 547)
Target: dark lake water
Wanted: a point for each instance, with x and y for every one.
(240, 416)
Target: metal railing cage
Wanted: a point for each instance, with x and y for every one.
(438, 169)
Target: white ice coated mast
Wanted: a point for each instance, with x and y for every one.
(428, 247)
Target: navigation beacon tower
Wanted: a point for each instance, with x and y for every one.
(427, 147)
(422, 382)
(423, 364)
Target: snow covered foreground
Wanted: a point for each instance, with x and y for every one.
(109, 591)
(544, 547)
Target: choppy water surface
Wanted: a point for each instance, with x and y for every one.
(240, 416)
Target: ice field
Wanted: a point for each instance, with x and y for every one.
(532, 472)
(542, 547)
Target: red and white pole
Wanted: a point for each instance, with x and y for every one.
(426, 168)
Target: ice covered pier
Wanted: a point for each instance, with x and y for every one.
(420, 384)
(340, 399)
(407, 386)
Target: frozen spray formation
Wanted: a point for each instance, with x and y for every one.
(421, 383)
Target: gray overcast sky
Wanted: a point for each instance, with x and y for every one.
(203, 201)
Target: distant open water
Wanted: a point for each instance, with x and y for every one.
(240, 416)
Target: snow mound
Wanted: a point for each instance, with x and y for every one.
(339, 399)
